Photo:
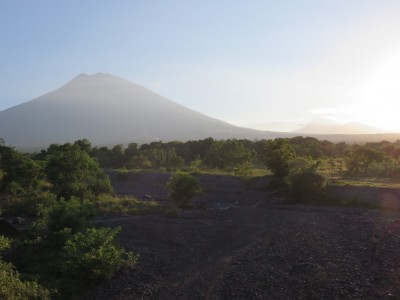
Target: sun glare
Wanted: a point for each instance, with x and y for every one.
(382, 96)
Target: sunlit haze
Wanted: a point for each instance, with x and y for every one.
(273, 65)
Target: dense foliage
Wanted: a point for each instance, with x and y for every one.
(64, 185)
(13, 288)
(60, 250)
(278, 154)
(18, 173)
(72, 172)
(11, 285)
(95, 253)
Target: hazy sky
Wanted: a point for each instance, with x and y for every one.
(251, 63)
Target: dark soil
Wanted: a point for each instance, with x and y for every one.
(244, 247)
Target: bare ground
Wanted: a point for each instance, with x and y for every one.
(244, 247)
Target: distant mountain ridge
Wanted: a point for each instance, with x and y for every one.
(108, 110)
(326, 126)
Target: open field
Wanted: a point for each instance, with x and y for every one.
(244, 247)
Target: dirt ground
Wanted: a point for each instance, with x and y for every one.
(245, 247)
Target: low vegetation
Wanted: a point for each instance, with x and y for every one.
(182, 187)
(123, 206)
(63, 187)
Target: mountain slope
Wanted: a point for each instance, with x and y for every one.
(107, 110)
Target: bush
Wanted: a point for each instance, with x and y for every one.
(244, 171)
(123, 173)
(182, 187)
(95, 255)
(5, 243)
(12, 288)
(63, 214)
(307, 186)
(28, 204)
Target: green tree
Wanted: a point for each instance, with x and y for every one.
(72, 172)
(278, 153)
(361, 158)
(18, 173)
(228, 154)
(85, 145)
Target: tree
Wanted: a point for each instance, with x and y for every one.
(182, 187)
(278, 153)
(72, 172)
(18, 172)
(362, 157)
(85, 145)
(307, 186)
(228, 154)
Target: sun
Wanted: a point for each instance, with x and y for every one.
(381, 104)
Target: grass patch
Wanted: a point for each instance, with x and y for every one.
(255, 172)
(384, 182)
(124, 206)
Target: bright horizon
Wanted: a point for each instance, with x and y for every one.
(263, 65)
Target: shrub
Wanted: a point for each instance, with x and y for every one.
(182, 188)
(244, 171)
(307, 186)
(28, 204)
(62, 214)
(12, 288)
(123, 173)
(5, 243)
(194, 166)
(95, 254)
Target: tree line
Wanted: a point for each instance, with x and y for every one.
(355, 159)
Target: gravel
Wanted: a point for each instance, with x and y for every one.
(243, 247)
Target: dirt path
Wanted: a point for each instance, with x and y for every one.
(255, 250)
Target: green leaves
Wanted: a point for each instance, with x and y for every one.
(18, 173)
(12, 288)
(96, 254)
(278, 154)
(61, 214)
(182, 188)
(228, 154)
(5, 243)
(73, 172)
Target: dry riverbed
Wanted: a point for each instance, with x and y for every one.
(244, 247)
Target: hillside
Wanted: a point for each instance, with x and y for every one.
(108, 110)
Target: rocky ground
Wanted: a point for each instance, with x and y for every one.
(244, 247)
